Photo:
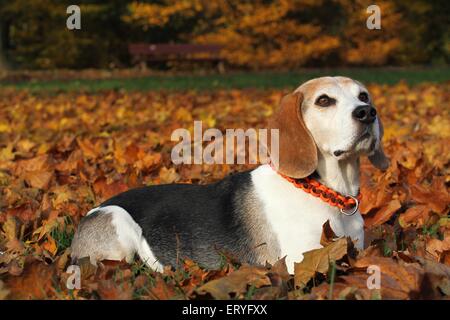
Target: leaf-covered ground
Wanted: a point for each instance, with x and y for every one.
(63, 153)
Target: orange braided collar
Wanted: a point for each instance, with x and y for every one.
(347, 204)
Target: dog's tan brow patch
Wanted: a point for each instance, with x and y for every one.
(311, 87)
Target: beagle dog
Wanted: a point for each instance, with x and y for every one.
(261, 215)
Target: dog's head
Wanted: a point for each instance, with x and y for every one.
(335, 115)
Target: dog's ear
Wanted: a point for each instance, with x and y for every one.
(378, 158)
(297, 151)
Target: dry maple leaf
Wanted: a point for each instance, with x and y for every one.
(415, 216)
(280, 268)
(106, 190)
(437, 248)
(50, 245)
(318, 260)
(236, 283)
(436, 196)
(399, 280)
(38, 179)
(382, 215)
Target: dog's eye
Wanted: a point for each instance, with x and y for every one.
(325, 101)
(364, 97)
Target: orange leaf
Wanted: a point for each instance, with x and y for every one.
(38, 179)
(382, 215)
(105, 190)
(50, 245)
(436, 196)
(414, 216)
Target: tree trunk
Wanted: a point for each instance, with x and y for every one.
(4, 43)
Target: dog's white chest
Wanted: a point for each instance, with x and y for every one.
(297, 217)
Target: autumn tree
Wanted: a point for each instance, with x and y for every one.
(289, 34)
(260, 34)
(257, 34)
(363, 46)
(427, 39)
(39, 38)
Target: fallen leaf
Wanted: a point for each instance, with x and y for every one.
(318, 260)
(107, 190)
(399, 280)
(38, 179)
(415, 216)
(382, 215)
(50, 245)
(438, 247)
(168, 175)
(281, 269)
(236, 283)
(436, 196)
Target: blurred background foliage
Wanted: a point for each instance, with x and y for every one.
(260, 34)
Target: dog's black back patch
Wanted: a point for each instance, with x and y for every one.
(192, 221)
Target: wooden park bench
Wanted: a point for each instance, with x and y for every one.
(156, 52)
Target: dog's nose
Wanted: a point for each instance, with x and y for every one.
(365, 114)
